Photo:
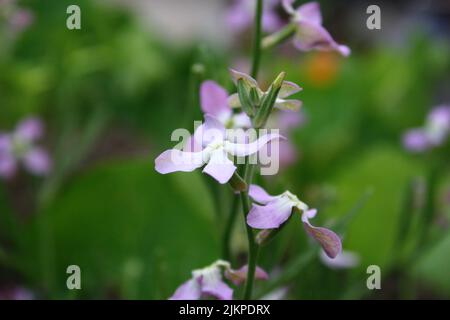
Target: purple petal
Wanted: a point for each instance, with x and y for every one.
(310, 12)
(211, 130)
(310, 36)
(440, 115)
(288, 154)
(37, 161)
(259, 195)
(213, 98)
(288, 120)
(415, 140)
(218, 289)
(30, 129)
(271, 20)
(246, 149)
(176, 160)
(271, 215)
(220, 167)
(237, 18)
(239, 276)
(190, 290)
(330, 241)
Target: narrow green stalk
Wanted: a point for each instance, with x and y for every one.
(229, 228)
(257, 39)
(252, 246)
(279, 37)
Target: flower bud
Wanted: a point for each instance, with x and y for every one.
(268, 102)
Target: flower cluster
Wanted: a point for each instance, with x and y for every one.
(19, 147)
(216, 148)
(433, 134)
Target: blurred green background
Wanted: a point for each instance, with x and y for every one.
(110, 95)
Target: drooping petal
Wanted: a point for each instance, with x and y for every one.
(245, 149)
(288, 105)
(270, 216)
(236, 75)
(344, 260)
(309, 12)
(30, 129)
(288, 88)
(220, 167)
(176, 160)
(190, 290)
(213, 98)
(211, 130)
(218, 289)
(416, 140)
(330, 241)
(211, 283)
(37, 161)
(239, 276)
(260, 195)
(310, 36)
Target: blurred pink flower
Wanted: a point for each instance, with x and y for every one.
(19, 146)
(310, 34)
(209, 282)
(434, 133)
(275, 210)
(15, 293)
(240, 15)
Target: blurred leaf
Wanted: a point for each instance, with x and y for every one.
(373, 231)
(125, 225)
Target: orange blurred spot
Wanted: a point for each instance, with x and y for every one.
(322, 68)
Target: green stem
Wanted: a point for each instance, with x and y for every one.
(257, 39)
(229, 228)
(252, 246)
(278, 37)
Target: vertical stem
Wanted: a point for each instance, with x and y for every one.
(257, 39)
(229, 228)
(248, 170)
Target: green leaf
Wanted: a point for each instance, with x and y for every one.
(133, 232)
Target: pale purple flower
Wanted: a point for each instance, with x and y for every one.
(15, 293)
(19, 147)
(437, 127)
(310, 34)
(416, 140)
(287, 89)
(240, 15)
(275, 210)
(215, 152)
(344, 260)
(434, 133)
(20, 20)
(214, 101)
(209, 282)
